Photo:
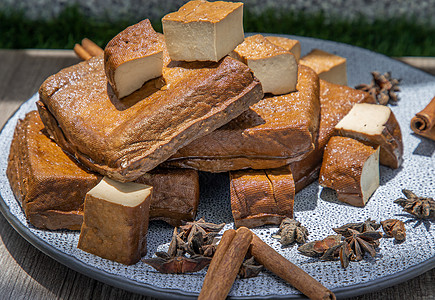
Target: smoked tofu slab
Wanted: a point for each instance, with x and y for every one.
(201, 30)
(328, 66)
(260, 197)
(335, 102)
(132, 57)
(51, 186)
(274, 132)
(351, 169)
(175, 194)
(288, 44)
(126, 138)
(275, 67)
(375, 125)
(115, 221)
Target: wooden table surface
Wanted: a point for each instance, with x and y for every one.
(26, 273)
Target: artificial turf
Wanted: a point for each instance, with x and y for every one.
(393, 37)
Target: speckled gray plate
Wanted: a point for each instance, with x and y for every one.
(315, 207)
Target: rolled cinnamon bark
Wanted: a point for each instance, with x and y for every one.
(423, 123)
(224, 243)
(225, 265)
(276, 263)
(81, 52)
(92, 48)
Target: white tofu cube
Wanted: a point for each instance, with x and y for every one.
(375, 125)
(133, 57)
(203, 31)
(329, 67)
(288, 44)
(275, 67)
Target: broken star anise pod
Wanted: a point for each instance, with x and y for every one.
(291, 231)
(201, 223)
(249, 268)
(367, 225)
(177, 247)
(421, 207)
(394, 228)
(320, 247)
(383, 88)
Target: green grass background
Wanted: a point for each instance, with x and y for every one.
(393, 37)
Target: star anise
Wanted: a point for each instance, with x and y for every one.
(421, 207)
(290, 231)
(383, 88)
(178, 264)
(367, 225)
(360, 243)
(196, 239)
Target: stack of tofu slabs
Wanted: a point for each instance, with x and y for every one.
(288, 129)
(191, 99)
(121, 121)
(279, 129)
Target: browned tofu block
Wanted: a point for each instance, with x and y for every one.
(49, 184)
(375, 125)
(175, 194)
(260, 197)
(275, 67)
(115, 221)
(288, 44)
(132, 57)
(202, 30)
(351, 169)
(328, 66)
(335, 102)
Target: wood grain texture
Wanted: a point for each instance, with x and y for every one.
(27, 273)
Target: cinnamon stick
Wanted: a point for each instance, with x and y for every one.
(81, 52)
(276, 263)
(222, 247)
(225, 264)
(92, 48)
(423, 123)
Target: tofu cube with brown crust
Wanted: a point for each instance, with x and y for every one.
(133, 57)
(351, 169)
(203, 31)
(288, 44)
(275, 67)
(329, 67)
(115, 221)
(374, 125)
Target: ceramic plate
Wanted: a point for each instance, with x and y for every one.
(315, 207)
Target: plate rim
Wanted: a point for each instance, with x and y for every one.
(170, 293)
